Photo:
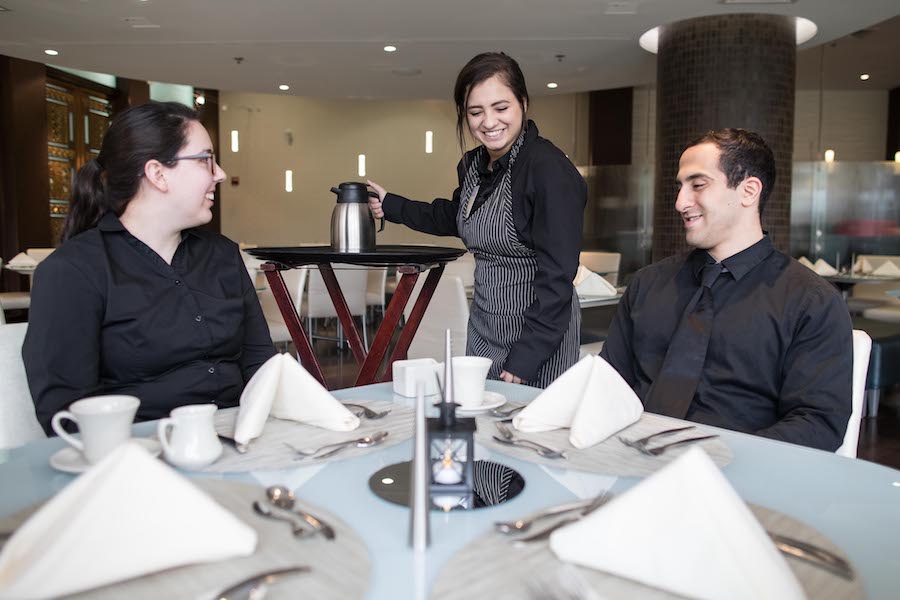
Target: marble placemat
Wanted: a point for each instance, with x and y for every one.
(269, 451)
(340, 568)
(611, 456)
(493, 567)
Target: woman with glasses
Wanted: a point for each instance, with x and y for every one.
(519, 209)
(138, 299)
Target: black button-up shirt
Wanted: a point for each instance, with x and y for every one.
(110, 316)
(780, 356)
(548, 199)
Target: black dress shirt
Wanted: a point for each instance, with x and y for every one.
(780, 356)
(109, 316)
(548, 199)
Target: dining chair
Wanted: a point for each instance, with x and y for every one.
(295, 281)
(606, 264)
(862, 346)
(18, 423)
(448, 309)
(376, 282)
(318, 305)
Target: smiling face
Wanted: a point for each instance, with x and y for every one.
(718, 219)
(494, 115)
(193, 184)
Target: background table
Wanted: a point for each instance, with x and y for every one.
(854, 503)
(410, 261)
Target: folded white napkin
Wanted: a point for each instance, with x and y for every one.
(22, 260)
(588, 283)
(862, 266)
(806, 263)
(887, 269)
(823, 268)
(685, 530)
(127, 516)
(283, 388)
(591, 398)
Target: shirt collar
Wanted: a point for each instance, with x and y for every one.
(531, 132)
(109, 222)
(738, 264)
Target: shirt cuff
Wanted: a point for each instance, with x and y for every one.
(522, 365)
(393, 207)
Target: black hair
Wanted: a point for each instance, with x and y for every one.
(743, 154)
(481, 68)
(152, 131)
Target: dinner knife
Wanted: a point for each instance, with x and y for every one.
(253, 587)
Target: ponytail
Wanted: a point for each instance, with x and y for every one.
(88, 200)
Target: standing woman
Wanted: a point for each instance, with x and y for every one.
(138, 300)
(519, 209)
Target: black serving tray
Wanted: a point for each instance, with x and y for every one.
(382, 256)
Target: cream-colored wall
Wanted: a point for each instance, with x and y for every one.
(328, 135)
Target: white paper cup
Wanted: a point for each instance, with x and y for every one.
(469, 376)
(103, 421)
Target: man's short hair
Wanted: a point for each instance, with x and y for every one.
(743, 154)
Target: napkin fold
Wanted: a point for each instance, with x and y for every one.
(127, 516)
(862, 266)
(806, 263)
(685, 530)
(590, 398)
(823, 268)
(22, 260)
(588, 283)
(887, 269)
(283, 388)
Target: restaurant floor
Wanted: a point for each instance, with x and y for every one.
(879, 438)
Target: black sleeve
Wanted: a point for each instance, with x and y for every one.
(816, 390)
(62, 345)
(617, 349)
(559, 197)
(257, 346)
(436, 218)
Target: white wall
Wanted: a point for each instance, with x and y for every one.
(328, 135)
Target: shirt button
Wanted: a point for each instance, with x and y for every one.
(211, 370)
(177, 282)
(198, 318)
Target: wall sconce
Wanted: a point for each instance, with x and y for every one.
(361, 165)
(429, 142)
(235, 142)
(829, 156)
(289, 181)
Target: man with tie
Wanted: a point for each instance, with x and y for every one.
(735, 333)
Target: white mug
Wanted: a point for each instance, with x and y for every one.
(194, 443)
(103, 421)
(469, 375)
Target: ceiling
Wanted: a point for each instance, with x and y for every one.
(334, 48)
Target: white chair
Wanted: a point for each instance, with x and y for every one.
(294, 281)
(606, 264)
(862, 347)
(353, 283)
(376, 282)
(448, 309)
(18, 423)
(13, 301)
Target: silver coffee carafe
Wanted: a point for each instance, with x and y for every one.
(352, 224)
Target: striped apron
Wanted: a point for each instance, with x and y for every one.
(504, 276)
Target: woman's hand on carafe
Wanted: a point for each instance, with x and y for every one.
(375, 203)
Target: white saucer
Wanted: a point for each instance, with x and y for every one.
(491, 400)
(70, 460)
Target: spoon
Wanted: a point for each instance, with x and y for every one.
(368, 412)
(265, 511)
(282, 497)
(363, 442)
(503, 414)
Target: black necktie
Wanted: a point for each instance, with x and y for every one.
(673, 390)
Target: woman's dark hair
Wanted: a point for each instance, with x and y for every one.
(156, 130)
(481, 68)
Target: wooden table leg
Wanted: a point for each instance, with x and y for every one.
(415, 317)
(369, 371)
(343, 312)
(292, 321)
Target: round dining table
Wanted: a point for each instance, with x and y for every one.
(854, 503)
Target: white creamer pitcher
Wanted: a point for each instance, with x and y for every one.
(193, 443)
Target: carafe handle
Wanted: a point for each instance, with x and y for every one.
(375, 195)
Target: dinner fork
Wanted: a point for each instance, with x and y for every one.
(656, 451)
(646, 440)
(511, 439)
(368, 412)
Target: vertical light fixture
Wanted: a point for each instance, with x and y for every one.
(829, 156)
(289, 181)
(362, 165)
(235, 142)
(429, 142)
(897, 156)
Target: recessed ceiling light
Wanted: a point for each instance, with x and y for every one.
(864, 77)
(390, 48)
(51, 52)
(284, 87)
(552, 85)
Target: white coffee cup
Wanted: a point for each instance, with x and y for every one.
(104, 423)
(469, 375)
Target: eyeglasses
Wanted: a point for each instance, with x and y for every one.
(209, 156)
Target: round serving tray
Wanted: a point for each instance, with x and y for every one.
(383, 255)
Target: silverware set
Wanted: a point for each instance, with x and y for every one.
(363, 411)
(509, 438)
(363, 442)
(255, 586)
(643, 444)
(281, 507)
